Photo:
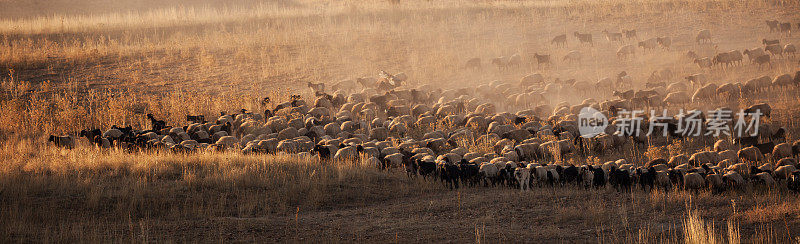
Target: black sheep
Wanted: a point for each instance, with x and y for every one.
(324, 152)
(599, 179)
(449, 174)
(755, 170)
(620, 179)
(793, 184)
(646, 178)
(425, 168)
(655, 162)
(569, 174)
(469, 173)
(90, 134)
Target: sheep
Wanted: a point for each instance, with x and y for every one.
(665, 42)
(552, 177)
(790, 50)
(677, 98)
(704, 36)
(227, 142)
(705, 93)
(763, 59)
(733, 179)
(542, 59)
(774, 49)
(67, 141)
(764, 178)
(704, 157)
(783, 150)
(616, 36)
(584, 38)
(500, 62)
(693, 181)
(793, 184)
(770, 42)
(786, 27)
(648, 44)
(389, 161)
(531, 79)
(715, 182)
(751, 154)
(722, 145)
(522, 175)
(703, 62)
(784, 80)
(784, 172)
(586, 175)
(490, 172)
(629, 34)
(316, 87)
(515, 60)
(761, 108)
(473, 64)
(662, 180)
(626, 51)
(786, 161)
(573, 56)
(691, 55)
(773, 25)
(647, 177)
(560, 40)
(752, 54)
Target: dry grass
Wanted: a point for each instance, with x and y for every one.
(64, 69)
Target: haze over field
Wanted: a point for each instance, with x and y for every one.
(447, 79)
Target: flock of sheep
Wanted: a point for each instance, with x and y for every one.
(500, 133)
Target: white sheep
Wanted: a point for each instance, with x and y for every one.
(347, 153)
(573, 56)
(790, 49)
(626, 51)
(227, 142)
(676, 98)
(523, 177)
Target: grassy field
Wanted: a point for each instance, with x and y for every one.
(71, 65)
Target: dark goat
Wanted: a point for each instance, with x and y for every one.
(746, 141)
(765, 148)
(324, 152)
(156, 124)
(90, 134)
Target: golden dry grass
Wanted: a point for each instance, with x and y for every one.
(70, 69)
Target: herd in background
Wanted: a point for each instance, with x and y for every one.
(772, 48)
(499, 133)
